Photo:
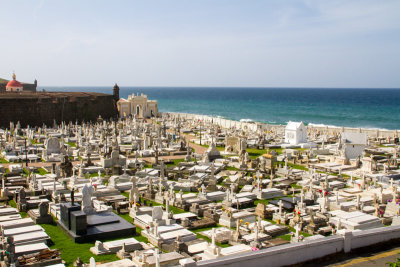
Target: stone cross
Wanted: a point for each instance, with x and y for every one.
(213, 237)
(255, 232)
(297, 228)
(203, 189)
(280, 207)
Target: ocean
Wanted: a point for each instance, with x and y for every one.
(365, 108)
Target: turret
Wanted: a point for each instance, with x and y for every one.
(116, 92)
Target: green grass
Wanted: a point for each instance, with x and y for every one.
(175, 162)
(265, 201)
(70, 250)
(14, 205)
(255, 153)
(139, 236)
(300, 232)
(42, 171)
(231, 168)
(197, 232)
(3, 160)
(34, 142)
(285, 237)
(96, 174)
(71, 144)
(174, 210)
(299, 167)
(295, 166)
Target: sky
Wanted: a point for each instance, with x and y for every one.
(281, 43)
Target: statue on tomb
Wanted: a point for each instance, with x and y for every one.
(87, 193)
(66, 167)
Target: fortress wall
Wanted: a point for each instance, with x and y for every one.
(36, 109)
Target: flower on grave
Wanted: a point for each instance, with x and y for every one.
(223, 208)
(147, 227)
(381, 211)
(254, 249)
(137, 204)
(199, 189)
(389, 200)
(241, 221)
(294, 210)
(298, 212)
(320, 190)
(261, 186)
(247, 223)
(326, 193)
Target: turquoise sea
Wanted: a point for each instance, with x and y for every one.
(367, 108)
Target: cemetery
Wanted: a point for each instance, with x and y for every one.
(191, 190)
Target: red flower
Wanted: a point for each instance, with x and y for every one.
(294, 210)
(320, 190)
(298, 212)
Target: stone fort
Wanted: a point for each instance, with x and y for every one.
(33, 108)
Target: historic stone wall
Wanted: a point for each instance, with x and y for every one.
(297, 253)
(36, 109)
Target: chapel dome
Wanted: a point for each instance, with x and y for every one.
(14, 83)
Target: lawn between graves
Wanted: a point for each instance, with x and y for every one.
(200, 236)
(42, 171)
(287, 237)
(69, 250)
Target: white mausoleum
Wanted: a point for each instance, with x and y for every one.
(353, 144)
(295, 133)
(137, 105)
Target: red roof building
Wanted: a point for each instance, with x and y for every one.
(14, 85)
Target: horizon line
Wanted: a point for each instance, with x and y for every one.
(221, 87)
